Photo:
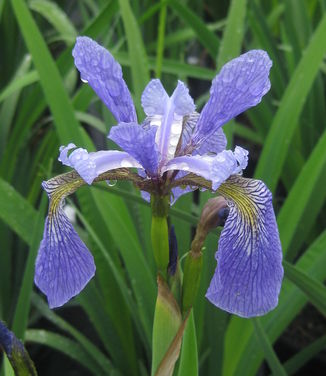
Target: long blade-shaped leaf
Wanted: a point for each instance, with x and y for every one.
(272, 159)
(267, 347)
(313, 289)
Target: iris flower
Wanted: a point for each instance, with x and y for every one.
(173, 151)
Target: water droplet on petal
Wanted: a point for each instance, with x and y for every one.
(83, 80)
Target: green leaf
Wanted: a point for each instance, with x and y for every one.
(188, 365)
(233, 33)
(136, 51)
(231, 45)
(299, 212)
(20, 319)
(16, 212)
(313, 289)
(304, 356)
(88, 346)
(50, 78)
(160, 40)
(56, 17)
(270, 356)
(205, 36)
(282, 130)
(65, 345)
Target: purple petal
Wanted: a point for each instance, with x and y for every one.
(98, 67)
(249, 271)
(241, 84)
(64, 265)
(90, 165)
(138, 142)
(214, 168)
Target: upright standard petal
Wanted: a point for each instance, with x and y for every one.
(216, 168)
(241, 84)
(249, 271)
(138, 142)
(168, 114)
(90, 165)
(98, 68)
(63, 265)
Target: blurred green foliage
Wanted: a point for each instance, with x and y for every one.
(43, 104)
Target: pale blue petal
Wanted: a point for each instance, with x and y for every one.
(90, 165)
(214, 168)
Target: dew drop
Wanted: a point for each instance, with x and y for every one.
(83, 80)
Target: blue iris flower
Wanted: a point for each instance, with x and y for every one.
(175, 150)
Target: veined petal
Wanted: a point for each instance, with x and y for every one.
(249, 271)
(241, 84)
(63, 265)
(90, 165)
(138, 142)
(98, 67)
(214, 144)
(214, 168)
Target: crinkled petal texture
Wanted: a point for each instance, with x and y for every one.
(90, 165)
(249, 271)
(241, 84)
(63, 265)
(139, 143)
(216, 168)
(98, 67)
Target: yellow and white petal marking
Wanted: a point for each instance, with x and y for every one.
(249, 196)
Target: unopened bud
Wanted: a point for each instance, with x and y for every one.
(214, 214)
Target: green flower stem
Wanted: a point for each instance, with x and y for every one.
(160, 233)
